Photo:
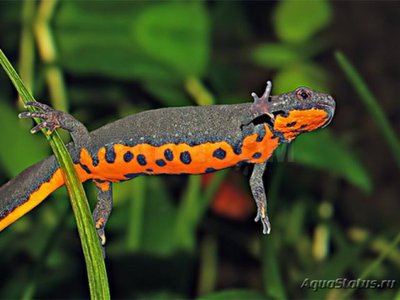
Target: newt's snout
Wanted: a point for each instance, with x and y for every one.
(328, 104)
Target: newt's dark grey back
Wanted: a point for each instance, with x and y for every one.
(191, 125)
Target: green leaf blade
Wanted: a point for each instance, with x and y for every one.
(371, 103)
(166, 41)
(323, 151)
(98, 282)
(297, 21)
(275, 55)
(22, 150)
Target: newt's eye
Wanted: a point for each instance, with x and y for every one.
(303, 94)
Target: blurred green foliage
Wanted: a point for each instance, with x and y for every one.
(322, 150)
(296, 24)
(162, 41)
(17, 140)
(122, 57)
(298, 21)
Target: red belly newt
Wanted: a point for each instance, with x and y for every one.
(183, 140)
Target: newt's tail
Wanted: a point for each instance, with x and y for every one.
(28, 189)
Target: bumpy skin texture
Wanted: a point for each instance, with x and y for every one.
(186, 140)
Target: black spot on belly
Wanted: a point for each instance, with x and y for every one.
(168, 155)
(237, 149)
(160, 162)
(149, 170)
(291, 124)
(219, 153)
(185, 157)
(133, 175)
(303, 126)
(261, 134)
(141, 159)
(128, 156)
(86, 168)
(110, 154)
(95, 160)
(210, 170)
(257, 155)
(130, 175)
(99, 180)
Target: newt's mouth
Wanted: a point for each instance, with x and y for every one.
(329, 107)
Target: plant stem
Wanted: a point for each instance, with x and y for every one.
(372, 267)
(48, 54)
(371, 103)
(27, 47)
(98, 283)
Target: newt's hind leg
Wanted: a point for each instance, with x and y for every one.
(52, 119)
(258, 191)
(103, 208)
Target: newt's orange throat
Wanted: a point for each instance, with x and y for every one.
(183, 140)
(300, 121)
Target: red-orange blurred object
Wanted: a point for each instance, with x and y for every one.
(230, 201)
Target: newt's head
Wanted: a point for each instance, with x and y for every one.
(296, 112)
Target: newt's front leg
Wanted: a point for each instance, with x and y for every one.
(258, 191)
(52, 119)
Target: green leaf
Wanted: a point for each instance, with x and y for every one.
(336, 267)
(146, 213)
(304, 74)
(154, 40)
(98, 283)
(175, 34)
(392, 247)
(275, 55)
(272, 277)
(136, 214)
(233, 294)
(20, 149)
(372, 105)
(192, 208)
(298, 21)
(159, 219)
(169, 94)
(189, 214)
(324, 151)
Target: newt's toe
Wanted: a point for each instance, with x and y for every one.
(262, 215)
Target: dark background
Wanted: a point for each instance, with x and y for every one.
(333, 194)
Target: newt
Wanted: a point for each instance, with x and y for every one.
(181, 140)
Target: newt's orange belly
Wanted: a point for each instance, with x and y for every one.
(120, 162)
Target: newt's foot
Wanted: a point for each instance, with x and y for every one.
(100, 230)
(102, 210)
(51, 118)
(262, 215)
(261, 104)
(102, 239)
(100, 225)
